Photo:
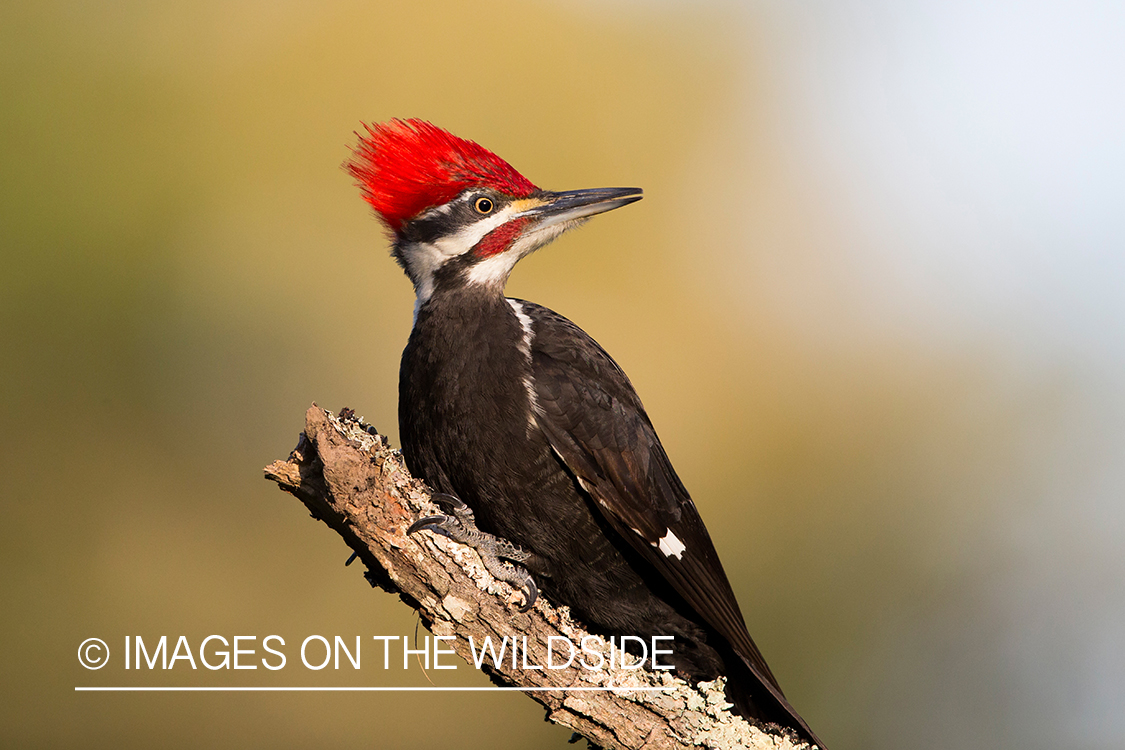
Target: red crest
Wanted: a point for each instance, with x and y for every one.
(404, 167)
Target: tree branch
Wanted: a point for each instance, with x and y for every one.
(347, 475)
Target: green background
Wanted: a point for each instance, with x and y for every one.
(872, 301)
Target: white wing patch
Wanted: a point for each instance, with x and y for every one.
(671, 546)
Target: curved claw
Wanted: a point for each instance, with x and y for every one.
(448, 503)
(530, 594)
(433, 523)
(460, 527)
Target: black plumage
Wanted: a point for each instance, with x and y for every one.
(514, 410)
(557, 455)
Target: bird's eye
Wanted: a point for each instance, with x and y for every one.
(484, 205)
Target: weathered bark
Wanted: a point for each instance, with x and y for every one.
(349, 477)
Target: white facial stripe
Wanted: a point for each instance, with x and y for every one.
(468, 237)
(437, 210)
(671, 546)
(495, 270)
(423, 259)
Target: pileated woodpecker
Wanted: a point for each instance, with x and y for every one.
(530, 429)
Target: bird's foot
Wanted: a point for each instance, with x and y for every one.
(459, 524)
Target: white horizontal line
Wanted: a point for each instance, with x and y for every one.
(169, 689)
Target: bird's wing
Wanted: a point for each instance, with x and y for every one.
(596, 424)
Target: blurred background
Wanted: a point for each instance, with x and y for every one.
(874, 300)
